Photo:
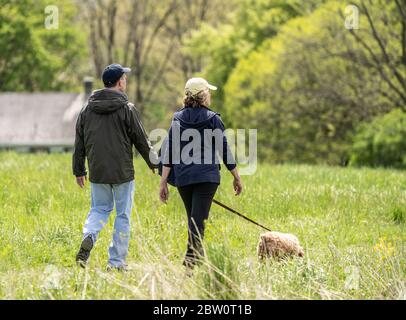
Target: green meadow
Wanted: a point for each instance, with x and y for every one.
(350, 221)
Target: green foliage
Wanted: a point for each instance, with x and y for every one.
(302, 92)
(293, 71)
(223, 46)
(381, 142)
(220, 50)
(34, 58)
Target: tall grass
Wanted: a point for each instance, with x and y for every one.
(350, 222)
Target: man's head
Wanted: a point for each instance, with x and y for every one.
(114, 77)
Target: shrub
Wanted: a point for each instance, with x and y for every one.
(381, 142)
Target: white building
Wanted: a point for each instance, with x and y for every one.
(40, 121)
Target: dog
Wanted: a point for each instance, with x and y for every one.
(279, 246)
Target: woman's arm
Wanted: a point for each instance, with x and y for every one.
(229, 160)
(166, 159)
(165, 173)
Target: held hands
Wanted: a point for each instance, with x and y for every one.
(163, 191)
(81, 181)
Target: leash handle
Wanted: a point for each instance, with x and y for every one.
(240, 214)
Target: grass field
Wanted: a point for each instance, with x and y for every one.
(350, 221)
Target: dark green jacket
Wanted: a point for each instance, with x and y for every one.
(106, 130)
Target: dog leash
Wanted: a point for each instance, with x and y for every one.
(239, 214)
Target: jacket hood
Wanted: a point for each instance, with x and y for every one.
(107, 101)
(194, 117)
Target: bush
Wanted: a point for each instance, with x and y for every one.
(381, 142)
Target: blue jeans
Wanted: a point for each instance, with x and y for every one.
(103, 198)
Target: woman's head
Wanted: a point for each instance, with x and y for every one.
(197, 100)
(197, 93)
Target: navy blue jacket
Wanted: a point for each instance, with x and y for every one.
(208, 170)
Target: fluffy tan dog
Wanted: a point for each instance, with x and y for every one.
(279, 245)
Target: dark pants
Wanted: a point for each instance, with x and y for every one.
(197, 199)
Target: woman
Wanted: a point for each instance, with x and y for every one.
(196, 173)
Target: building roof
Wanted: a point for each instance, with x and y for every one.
(38, 119)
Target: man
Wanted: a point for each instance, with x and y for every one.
(106, 129)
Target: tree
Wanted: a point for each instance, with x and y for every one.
(315, 82)
(147, 35)
(247, 27)
(384, 44)
(33, 58)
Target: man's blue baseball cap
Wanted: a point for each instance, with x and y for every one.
(113, 73)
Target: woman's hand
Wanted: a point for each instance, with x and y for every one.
(163, 186)
(237, 184)
(163, 191)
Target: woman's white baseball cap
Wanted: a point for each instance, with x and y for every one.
(195, 85)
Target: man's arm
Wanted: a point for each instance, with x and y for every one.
(140, 139)
(79, 153)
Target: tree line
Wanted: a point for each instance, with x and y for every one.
(292, 69)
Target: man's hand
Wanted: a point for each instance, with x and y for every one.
(237, 184)
(81, 181)
(163, 191)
